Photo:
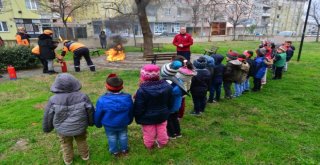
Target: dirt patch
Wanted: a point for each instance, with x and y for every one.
(238, 139)
(40, 106)
(21, 145)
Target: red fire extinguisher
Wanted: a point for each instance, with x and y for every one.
(12, 72)
(64, 67)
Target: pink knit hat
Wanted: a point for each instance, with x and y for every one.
(150, 72)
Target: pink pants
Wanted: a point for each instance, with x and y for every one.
(152, 133)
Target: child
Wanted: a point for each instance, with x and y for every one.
(250, 61)
(200, 85)
(261, 64)
(279, 62)
(168, 72)
(70, 112)
(151, 106)
(231, 72)
(290, 51)
(185, 73)
(115, 113)
(215, 89)
(244, 69)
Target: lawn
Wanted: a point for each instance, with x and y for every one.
(279, 125)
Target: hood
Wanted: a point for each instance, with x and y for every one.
(177, 82)
(210, 61)
(43, 37)
(218, 58)
(65, 83)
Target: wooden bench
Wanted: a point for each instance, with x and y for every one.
(155, 45)
(211, 51)
(159, 57)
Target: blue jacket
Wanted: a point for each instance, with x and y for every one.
(218, 69)
(114, 110)
(260, 67)
(176, 98)
(152, 103)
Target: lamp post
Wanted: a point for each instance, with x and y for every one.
(304, 30)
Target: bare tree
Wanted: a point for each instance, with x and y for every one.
(315, 15)
(64, 8)
(235, 11)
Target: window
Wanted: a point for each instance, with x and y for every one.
(31, 4)
(167, 11)
(3, 27)
(279, 7)
(159, 27)
(176, 28)
(278, 16)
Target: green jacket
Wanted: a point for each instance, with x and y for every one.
(280, 60)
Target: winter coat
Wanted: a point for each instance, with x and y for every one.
(176, 97)
(232, 71)
(261, 64)
(184, 39)
(46, 46)
(280, 60)
(114, 110)
(289, 52)
(200, 83)
(152, 102)
(252, 68)
(69, 111)
(186, 75)
(244, 72)
(218, 69)
(23, 39)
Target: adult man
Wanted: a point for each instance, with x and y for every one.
(183, 41)
(78, 50)
(22, 37)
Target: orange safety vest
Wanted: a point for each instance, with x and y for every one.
(21, 40)
(36, 50)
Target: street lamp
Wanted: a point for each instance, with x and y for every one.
(304, 30)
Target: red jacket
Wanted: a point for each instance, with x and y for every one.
(184, 39)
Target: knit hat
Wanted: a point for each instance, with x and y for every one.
(232, 55)
(150, 72)
(170, 69)
(200, 63)
(262, 51)
(248, 53)
(114, 83)
(47, 32)
(283, 48)
(210, 61)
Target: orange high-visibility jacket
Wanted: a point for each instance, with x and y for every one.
(36, 50)
(22, 39)
(73, 46)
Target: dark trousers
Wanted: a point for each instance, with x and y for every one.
(77, 55)
(185, 54)
(257, 84)
(44, 64)
(215, 90)
(278, 72)
(182, 108)
(173, 125)
(227, 88)
(199, 103)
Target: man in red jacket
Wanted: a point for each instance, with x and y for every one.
(183, 41)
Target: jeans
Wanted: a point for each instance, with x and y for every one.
(77, 57)
(117, 137)
(185, 54)
(215, 90)
(173, 126)
(246, 85)
(238, 89)
(199, 103)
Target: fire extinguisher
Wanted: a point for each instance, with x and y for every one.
(64, 67)
(12, 72)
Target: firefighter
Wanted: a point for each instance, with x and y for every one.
(22, 37)
(78, 50)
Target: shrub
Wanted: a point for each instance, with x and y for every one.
(19, 56)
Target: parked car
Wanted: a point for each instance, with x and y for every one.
(167, 34)
(287, 33)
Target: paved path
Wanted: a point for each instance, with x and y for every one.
(133, 61)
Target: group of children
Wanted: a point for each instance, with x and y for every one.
(158, 104)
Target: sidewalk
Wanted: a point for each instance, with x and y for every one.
(133, 61)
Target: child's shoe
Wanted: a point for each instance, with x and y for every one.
(116, 154)
(179, 136)
(171, 138)
(195, 113)
(86, 158)
(67, 163)
(125, 152)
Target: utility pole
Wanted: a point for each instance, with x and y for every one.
(304, 30)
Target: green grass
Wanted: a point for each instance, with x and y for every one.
(279, 125)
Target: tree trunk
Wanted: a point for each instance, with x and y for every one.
(317, 39)
(66, 30)
(234, 32)
(145, 27)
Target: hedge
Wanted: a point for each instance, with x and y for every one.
(19, 56)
